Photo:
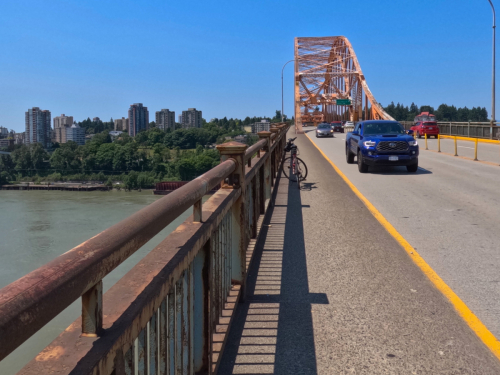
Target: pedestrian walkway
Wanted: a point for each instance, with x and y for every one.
(331, 292)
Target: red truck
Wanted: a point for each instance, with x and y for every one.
(425, 123)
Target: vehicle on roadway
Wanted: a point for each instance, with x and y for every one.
(324, 130)
(424, 117)
(381, 142)
(337, 126)
(431, 128)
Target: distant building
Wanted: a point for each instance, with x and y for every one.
(18, 138)
(61, 123)
(38, 130)
(76, 134)
(241, 139)
(138, 119)
(248, 128)
(180, 119)
(191, 118)
(261, 126)
(165, 119)
(121, 125)
(96, 119)
(6, 142)
(4, 132)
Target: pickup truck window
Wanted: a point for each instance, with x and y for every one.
(383, 128)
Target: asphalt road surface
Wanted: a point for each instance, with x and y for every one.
(449, 211)
(330, 291)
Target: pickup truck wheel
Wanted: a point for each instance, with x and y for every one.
(362, 167)
(412, 168)
(349, 156)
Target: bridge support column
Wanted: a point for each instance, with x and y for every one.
(266, 180)
(239, 212)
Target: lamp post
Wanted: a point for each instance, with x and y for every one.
(493, 75)
(282, 87)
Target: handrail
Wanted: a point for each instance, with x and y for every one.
(184, 283)
(249, 153)
(29, 303)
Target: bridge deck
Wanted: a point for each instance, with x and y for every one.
(331, 292)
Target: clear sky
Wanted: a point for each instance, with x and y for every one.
(94, 58)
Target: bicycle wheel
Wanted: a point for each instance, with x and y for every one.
(286, 167)
(302, 169)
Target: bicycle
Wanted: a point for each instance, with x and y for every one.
(297, 168)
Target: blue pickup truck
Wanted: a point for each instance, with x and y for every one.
(381, 142)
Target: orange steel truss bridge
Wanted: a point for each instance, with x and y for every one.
(326, 71)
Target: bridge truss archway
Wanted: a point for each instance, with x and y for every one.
(327, 70)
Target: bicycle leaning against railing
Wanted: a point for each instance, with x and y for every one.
(294, 168)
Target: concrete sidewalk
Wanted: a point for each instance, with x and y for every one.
(331, 292)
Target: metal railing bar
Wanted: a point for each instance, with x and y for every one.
(27, 304)
(254, 148)
(130, 303)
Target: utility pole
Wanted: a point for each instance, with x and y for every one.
(493, 76)
(282, 88)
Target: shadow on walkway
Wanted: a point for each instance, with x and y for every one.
(273, 331)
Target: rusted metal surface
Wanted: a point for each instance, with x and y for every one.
(254, 148)
(154, 316)
(29, 303)
(92, 311)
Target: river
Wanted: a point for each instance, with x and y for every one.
(37, 226)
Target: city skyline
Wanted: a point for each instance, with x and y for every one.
(422, 60)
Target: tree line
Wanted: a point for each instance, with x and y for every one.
(443, 113)
(152, 156)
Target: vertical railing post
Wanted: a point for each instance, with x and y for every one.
(267, 166)
(92, 311)
(239, 214)
(275, 155)
(197, 211)
(201, 310)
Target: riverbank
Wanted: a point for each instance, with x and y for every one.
(57, 186)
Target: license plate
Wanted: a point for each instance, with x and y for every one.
(431, 128)
(393, 158)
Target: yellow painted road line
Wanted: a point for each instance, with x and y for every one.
(472, 320)
(471, 139)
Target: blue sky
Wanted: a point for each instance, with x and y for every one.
(95, 58)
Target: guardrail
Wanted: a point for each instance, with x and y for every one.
(171, 312)
(465, 129)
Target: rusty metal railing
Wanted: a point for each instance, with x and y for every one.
(170, 313)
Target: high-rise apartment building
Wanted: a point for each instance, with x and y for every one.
(165, 119)
(138, 119)
(76, 134)
(61, 123)
(180, 119)
(191, 118)
(121, 124)
(38, 128)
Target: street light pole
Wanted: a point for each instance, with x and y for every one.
(493, 75)
(282, 87)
